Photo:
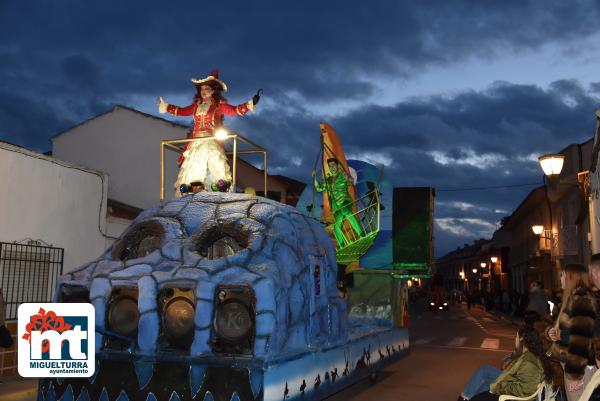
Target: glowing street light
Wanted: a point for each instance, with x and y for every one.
(552, 164)
(537, 229)
(474, 271)
(483, 265)
(494, 259)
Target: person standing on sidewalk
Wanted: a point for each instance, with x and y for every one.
(537, 308)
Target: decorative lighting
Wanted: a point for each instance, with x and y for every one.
(494, 259)
(552, 164)
(221, 134)
(474, 270)
(537, 229)
(483, 265)
(461, 274)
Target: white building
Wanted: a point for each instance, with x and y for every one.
(594, 190)
(52, 220)
(125, 144)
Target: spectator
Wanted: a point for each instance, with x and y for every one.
(520, 378)
(576, 379)
(576, 315)
(523, 301)
(537, 307)
(514, 303)
(506, 302)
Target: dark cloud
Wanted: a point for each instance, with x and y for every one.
(486, 138)
(595, 87)
(61, 63)
(82, 72)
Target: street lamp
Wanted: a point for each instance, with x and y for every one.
(474, 271)
(537, 229)
(552, 164)
(494, 259)
(483, 265)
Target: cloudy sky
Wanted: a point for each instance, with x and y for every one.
(459, 95)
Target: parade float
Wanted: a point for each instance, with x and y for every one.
(225, 296)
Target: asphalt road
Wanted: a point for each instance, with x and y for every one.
(445, 349)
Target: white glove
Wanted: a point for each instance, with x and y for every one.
(162, 105)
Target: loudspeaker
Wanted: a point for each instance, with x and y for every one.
(234, 319)
(177, 309)
(122, 317)
(412, 226)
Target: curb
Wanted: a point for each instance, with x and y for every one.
(507, 319)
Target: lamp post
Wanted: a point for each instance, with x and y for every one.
(484, 266)
(496, 284)
(552, 165)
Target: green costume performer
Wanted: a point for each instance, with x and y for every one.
(336, 185)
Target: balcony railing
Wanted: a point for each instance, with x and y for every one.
(563, 243)
(567, 241)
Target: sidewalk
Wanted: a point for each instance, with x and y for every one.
(515, 321)
(17, 388)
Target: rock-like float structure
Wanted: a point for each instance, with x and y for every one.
(219, 296)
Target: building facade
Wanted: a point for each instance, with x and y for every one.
(52, 220)
(560, 206)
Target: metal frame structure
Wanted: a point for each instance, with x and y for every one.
(175, 144)
(369, 217)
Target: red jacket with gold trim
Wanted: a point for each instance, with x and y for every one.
(205, 124)
(213, 118)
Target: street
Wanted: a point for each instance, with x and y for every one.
(445, 349)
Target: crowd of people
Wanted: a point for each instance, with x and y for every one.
(511, 302)
(557, 346)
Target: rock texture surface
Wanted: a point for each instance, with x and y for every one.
(285, 257)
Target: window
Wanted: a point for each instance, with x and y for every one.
(28, 273)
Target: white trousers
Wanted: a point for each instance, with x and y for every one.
(203, 159)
